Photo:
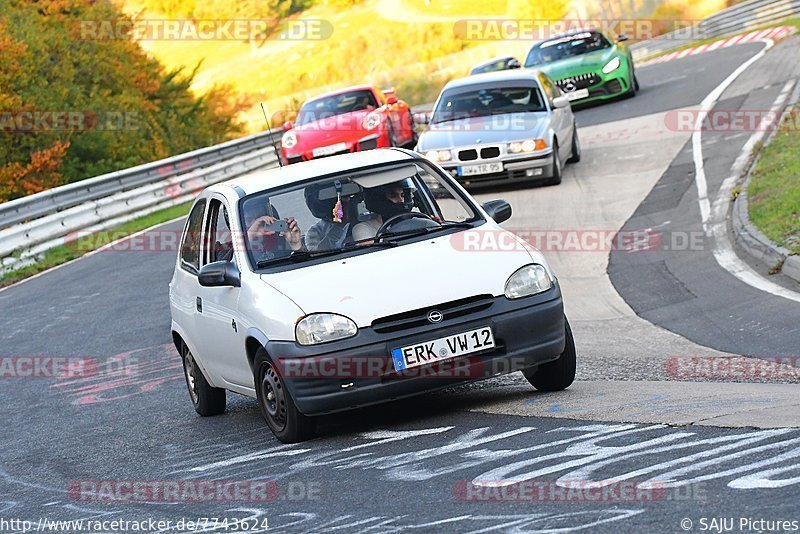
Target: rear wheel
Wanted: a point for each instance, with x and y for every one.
(207, 400)
(575, 156)
(276, 403)
(557, 375)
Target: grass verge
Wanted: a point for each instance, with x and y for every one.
(774, 190)
(64, 253)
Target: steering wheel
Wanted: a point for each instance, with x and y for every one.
(400, 217)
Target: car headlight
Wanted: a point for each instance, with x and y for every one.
(529, 280)
(438, 155)
(528, 145)
(611, 66)
(289, 139)
(323, 327)
(372, 121)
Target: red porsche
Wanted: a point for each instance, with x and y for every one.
(349, 120)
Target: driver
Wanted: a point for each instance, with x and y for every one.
(385, 202)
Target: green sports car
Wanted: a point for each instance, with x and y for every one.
(586, 65)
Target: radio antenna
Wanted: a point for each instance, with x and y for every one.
(269, 127)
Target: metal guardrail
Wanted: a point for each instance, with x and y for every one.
(115, 198)
(739, 18)
(63, 197)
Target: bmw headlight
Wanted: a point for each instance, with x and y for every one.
(289, 139)
(528, 145)
(437, 156)
(372, 121)
(527, 281)
(323, 327)
(611, 66)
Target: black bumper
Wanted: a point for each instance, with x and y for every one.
(516, 174)
(359, 371)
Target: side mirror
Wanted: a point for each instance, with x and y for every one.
(391, 99)
(621, 38)
(220, 274)
(288, 125)
(499, 210)
(513, 63)
(561, 102)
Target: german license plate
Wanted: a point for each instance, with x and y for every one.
(328, 150)
(442, 348)
(483, 168)
(576, 95)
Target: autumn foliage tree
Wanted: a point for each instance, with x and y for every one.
(104, 104)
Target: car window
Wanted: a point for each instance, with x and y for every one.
(190, 246)
(328, 211)
(461, 103)
(219, 239)
(565, 46)
(333, 105)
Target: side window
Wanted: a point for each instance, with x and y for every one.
(190, 246)
(219, 243)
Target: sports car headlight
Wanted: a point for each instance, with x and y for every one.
(611, 66)
(372, 121)
(323, 327)
(529, 280)
(289, 139)
(438, 155)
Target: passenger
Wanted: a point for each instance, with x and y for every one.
(385, 202)
(265, 242)
(328, 233)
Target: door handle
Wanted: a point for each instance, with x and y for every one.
(199, 304)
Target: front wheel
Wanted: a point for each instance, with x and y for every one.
(276, 403)
(557, 375)
(207, 400)
(556, 178)
(575, 156)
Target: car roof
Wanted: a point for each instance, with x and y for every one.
(340, 91)
(514, 75)
(262, 180)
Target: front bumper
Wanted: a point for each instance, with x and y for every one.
(359, 371)
(514, 171)
(367, 142)
(610, 86)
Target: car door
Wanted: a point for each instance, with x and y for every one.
(217, 306)
(562, 120)
(184, 285)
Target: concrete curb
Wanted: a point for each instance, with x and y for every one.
(750, 238)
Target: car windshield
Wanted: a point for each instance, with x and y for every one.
(567, 46)
(340, 104)
(361, 210)
(500, 64)
(461, 102)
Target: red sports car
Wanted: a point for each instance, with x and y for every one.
(350, 120)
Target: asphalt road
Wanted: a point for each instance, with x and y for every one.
(428, 464)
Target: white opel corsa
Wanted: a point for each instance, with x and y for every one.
(353, 280)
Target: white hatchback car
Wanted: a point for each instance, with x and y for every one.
(353, 280)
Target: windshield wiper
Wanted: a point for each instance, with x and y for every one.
(298, 256)
(427, 230)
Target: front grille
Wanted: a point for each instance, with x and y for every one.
(417, 318)
(369, 144)
(490, 152)
(468, 155)
(581, 81)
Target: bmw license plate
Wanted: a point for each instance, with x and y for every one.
(443, 348)
(483, 168)
(577, 95)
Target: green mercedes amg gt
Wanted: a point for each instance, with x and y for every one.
(586, 65)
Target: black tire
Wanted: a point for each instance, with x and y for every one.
(557, 173)
(575, 156)
(207, 400)
(276, 403)
(635, 82)
(556, 375)
(414, 137)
